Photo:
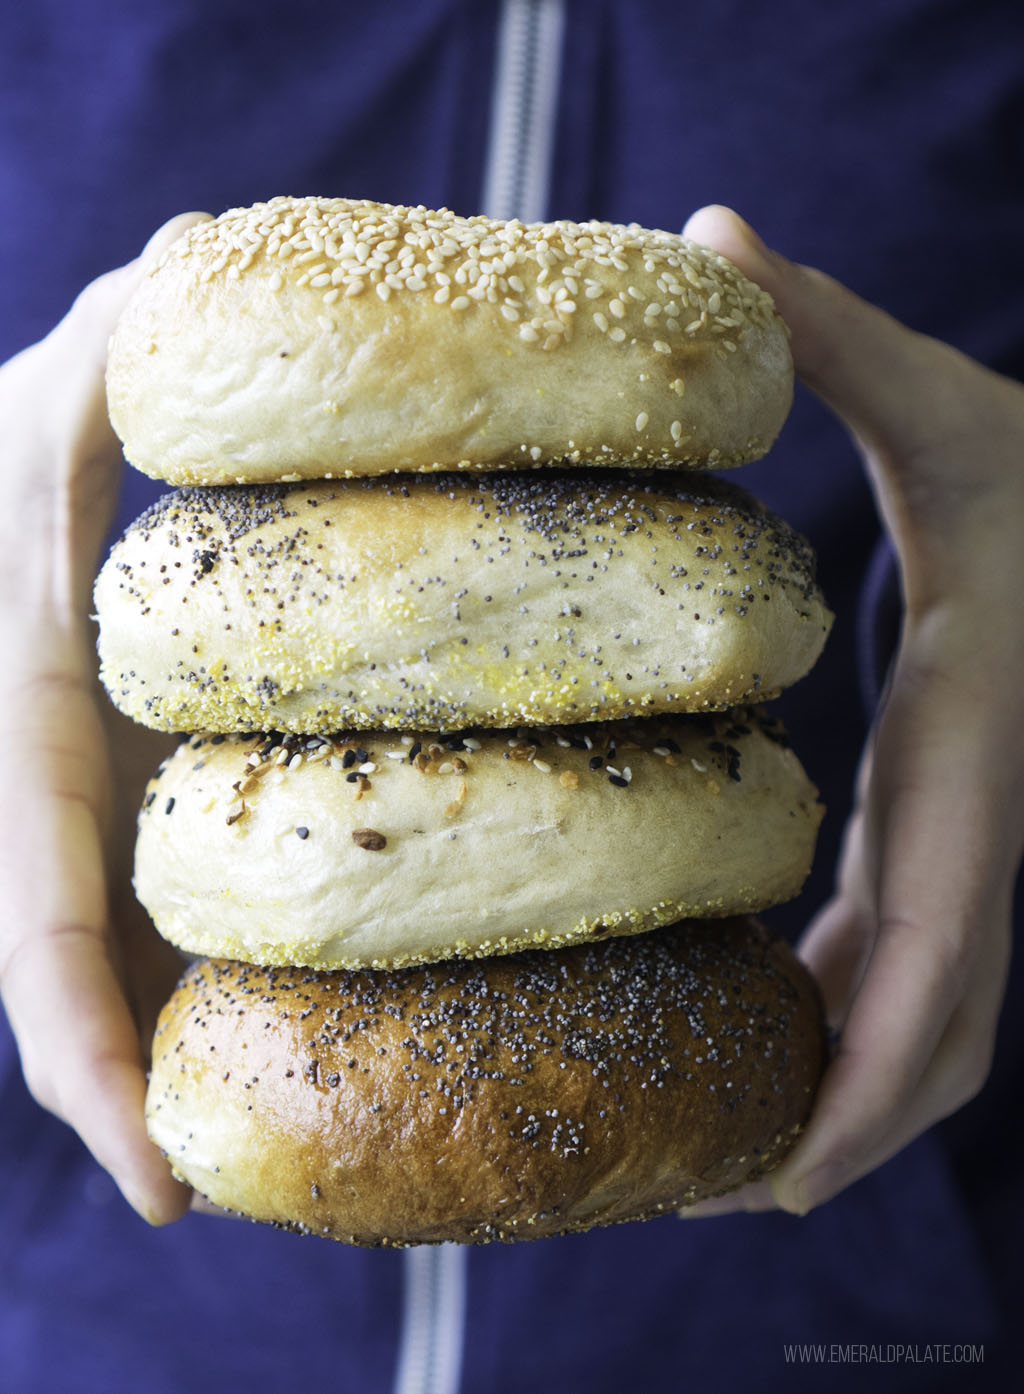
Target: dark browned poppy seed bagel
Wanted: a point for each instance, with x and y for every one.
(506, 1099)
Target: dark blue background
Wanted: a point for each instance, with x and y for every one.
(882, 141)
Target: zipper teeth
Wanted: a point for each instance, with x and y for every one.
(524, 109)
(433, 1318)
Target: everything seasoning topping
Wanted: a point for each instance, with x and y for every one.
(575, 755)
(369, 839)
(701, 750)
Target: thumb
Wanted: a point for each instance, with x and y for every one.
(61, 453)
(873, 372)
(94, 313)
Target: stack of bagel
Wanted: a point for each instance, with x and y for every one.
(477, 795)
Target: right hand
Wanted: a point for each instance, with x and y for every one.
(82, 971)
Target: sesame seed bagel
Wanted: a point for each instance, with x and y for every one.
(510, 1099)
(380, 851)
(319, 338)
(450, 601)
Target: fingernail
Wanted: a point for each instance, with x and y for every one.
(704, 1209)
(140, 1203)
(816, 1187)
(157, 1210)
(750, 1199)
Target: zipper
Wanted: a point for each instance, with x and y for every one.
(516, 184)
(433, 1320)
(524, 108)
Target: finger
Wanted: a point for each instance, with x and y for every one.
(79, 343)
(836, 950)
(62, 460)
(828, 323)
(81, 1059)
(78, 1042)
(872, 371)
(749, 1199)
(836, 946)
(934, 881)
(834, 1153)
(74, 354)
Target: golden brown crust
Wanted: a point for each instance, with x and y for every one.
(450, 601)
(378, 850)
(519, 1097)
(317, 338)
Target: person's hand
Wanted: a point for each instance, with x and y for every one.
(913, 949)
(82, 973)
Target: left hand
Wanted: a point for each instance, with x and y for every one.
(912, 951)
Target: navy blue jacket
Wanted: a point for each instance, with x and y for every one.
(882, 141)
